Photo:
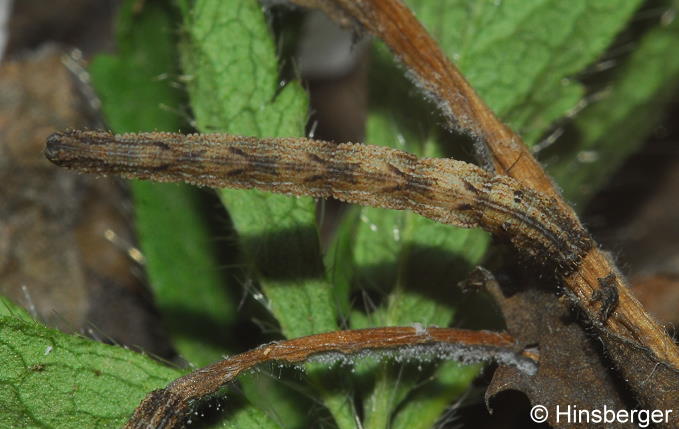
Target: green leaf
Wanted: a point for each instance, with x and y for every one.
(412, 261)
(611, 128)
(135, 85)
(339, 266)
(522, 57)
(239, 93)
(229, 56)
(452, 381)
(179, 248)
(49, 379)
(9, 309)
(188, 284)
(249, 417)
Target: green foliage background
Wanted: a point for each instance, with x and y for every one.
(526, 59)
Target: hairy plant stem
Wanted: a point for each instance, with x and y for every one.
(167, 408)
(633, 339)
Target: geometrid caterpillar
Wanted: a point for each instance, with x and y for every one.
(445, 190)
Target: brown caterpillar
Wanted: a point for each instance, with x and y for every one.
(445, 190)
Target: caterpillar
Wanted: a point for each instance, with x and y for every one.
(445, 190)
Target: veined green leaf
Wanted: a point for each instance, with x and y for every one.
(413, 262)
(49, 379)
(134, 85)
(614, 126)
(229, 57)
(522, 57)
(9, 309)
(138, 94)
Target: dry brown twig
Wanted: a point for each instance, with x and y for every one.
(167, 408)
(515, 200)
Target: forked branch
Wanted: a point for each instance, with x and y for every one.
(637, 344)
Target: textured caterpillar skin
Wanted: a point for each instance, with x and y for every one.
(445, 190)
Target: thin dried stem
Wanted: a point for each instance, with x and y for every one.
(167, 408)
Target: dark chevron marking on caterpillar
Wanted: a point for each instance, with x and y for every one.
(445, 190)
(607, 295)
